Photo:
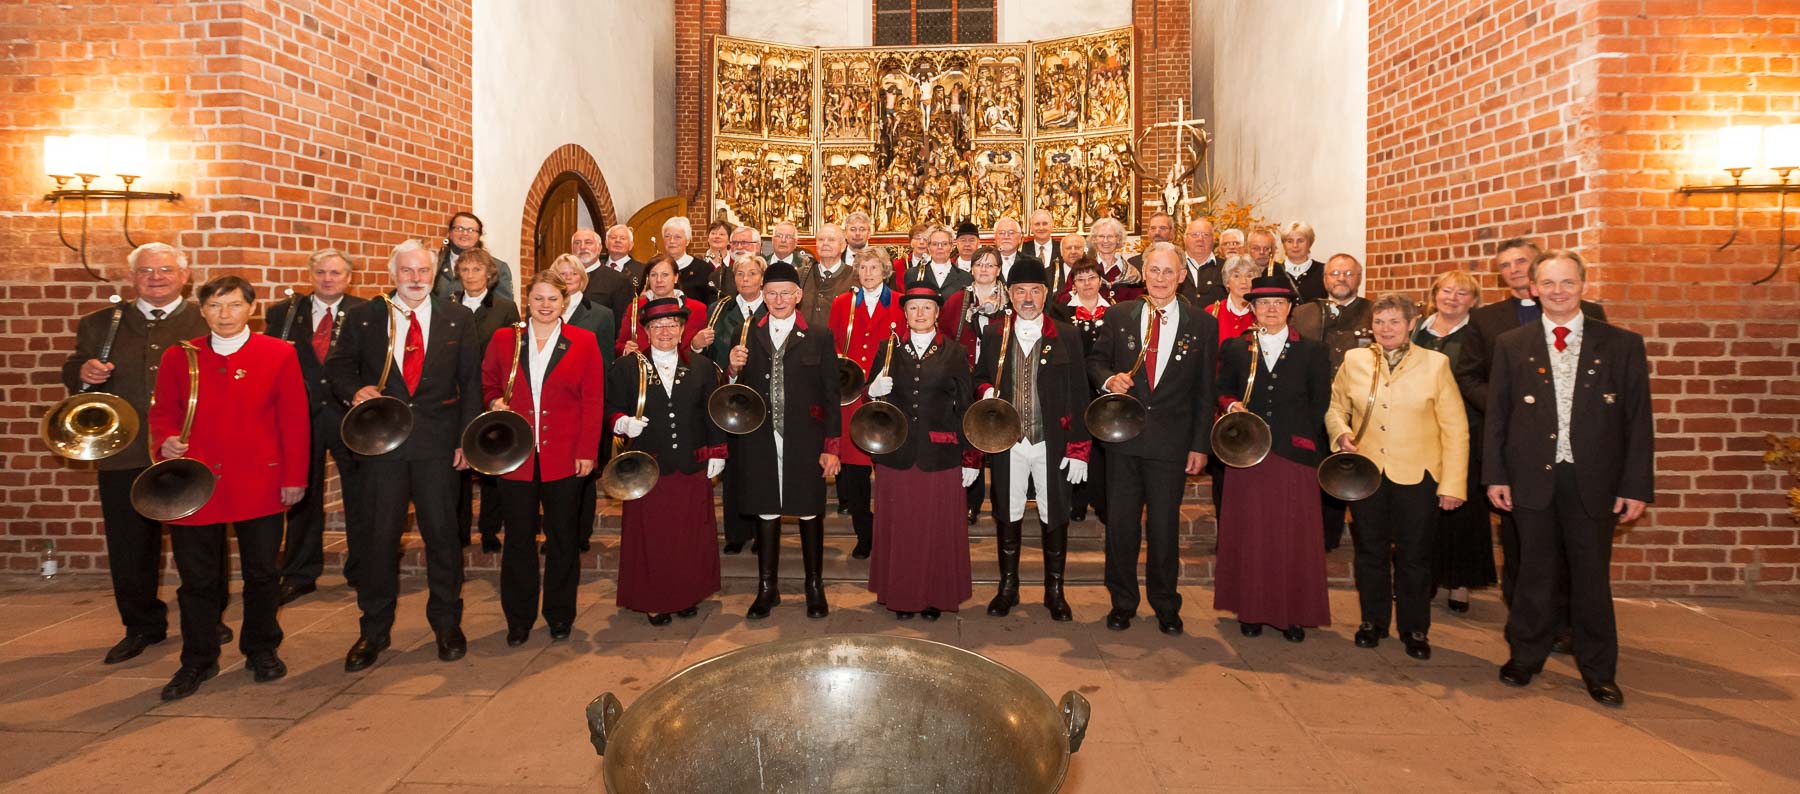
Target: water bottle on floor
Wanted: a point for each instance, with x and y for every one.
(47, 564)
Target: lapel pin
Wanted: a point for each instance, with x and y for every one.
(239, 375)
(1529, 400)
(1609, 397)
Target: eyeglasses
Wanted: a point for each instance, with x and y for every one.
(165, 270)
(465, 229)
(1340, 273)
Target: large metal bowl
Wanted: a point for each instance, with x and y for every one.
(843, 713)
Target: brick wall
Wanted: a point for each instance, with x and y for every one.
(287, 126)
(696, 23)
(1575, 123)
(1164, 30)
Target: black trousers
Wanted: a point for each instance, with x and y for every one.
(1395, 527)
(303, 557)
(740, 527)
(133, 555)
(587, 503)
(430, 487)
(200, 555)
(1565, 541)
(1146, 493)
(1093, 492)
(977, 492)
(519, 579)
(491, 510)
(1331, 514)
(853, 493)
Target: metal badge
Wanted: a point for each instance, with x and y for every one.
(1609, 397)
(1529, 400)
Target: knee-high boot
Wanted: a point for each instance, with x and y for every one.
(812, 556)
(768, 568)
(1056, 552)
(1006, 533)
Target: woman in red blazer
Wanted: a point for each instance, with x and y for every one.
(659, 282)
(878, 316)
(251, 428)
(557, 388)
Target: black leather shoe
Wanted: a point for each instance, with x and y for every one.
(490, 543)
(1417, 646)
(1514, 674)
(130, 647)
(971, 518)
(187, 681)
(661, 619)
(1118, 620)
(1368, 637)
(734, 548)
(1459, 606)
(1169, 625)
(1564, 644)
(363, 654)
(265, 667)
(904, 615)
(931, 613)
(689, 612)
(861, 552)
(1606, 694)
(225, 635)
(1250, 629)
(451, 645)
(292, 592)
(560, 631)
(1294, 634)
(843, 511)
(517, 637)
(1078, 514)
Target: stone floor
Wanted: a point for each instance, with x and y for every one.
(1713, 689)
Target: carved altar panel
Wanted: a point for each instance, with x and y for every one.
(848, 107)
(788, 92)
(847, 181)
(1081, 179)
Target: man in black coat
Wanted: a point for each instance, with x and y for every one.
(1148, 472)
(436, 369)
(614, 281)
(313, 324)
(1006, 242)
(1045, 378)
(1043, 245)
(788, 456)
(1203, 276)
(1342, 321)
(1570, 446)
(1486, 324)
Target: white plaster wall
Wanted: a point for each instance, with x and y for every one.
(1036, 20)
(807, 23)
(1289, 109)
(599, 73)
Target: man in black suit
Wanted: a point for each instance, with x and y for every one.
(614, 279)
(428, 347)
(787, 458)
(312, 323)
(1006, 241)
(1045, 377)
(1570, 451)
(1158, 228)
(479, 272)
(1342, 321)
(1149, 472)
(784, 247)
(1043, 244)
(1307, 274)
(1202, 278)
(940, 273)
(1486, 324)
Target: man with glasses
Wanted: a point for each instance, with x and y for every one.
(785, 245)
(606, 287)
(463, 233)
(1006, 241)
(939, 272)
(1203, 277)
(156, 321)
(1341, 320)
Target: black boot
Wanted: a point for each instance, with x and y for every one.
(1056, 553)
(1006, 533)
(768, 568)
(812, 556)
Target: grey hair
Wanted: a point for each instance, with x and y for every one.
(181, 259)
(328, 253)
(629, 234)
(1395, 302)
(1162, 248)
(679, 222)
(755, 232)
(859, 215)
(1008, 219)
(1230, 232)
(1237, 262)
(405, 248)
(1109, 223)
(878, 255)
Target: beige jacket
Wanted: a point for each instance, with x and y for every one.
(1417, 424)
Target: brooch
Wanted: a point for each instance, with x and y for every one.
(1540, 370)
(1530, 399)
(1609, 397)
(239, 375)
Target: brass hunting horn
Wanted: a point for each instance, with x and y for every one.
(497, 442)
(1117, 417)
(992, 424)
(1241, 439)
(878, 426)
(1349, 476)
(378, 425)
(178, 487)
(735, 407)
(630, 475)
(90, 425)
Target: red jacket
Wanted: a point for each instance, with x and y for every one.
(569, 426)
(635, 331)
(1231, 326)
(870, 342)
(251, 424)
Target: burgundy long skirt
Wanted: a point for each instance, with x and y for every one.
(669, 548)
(1271, 565)
(920, 554)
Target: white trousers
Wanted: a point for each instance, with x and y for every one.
(1030, 464)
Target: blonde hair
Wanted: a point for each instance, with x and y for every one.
(1460, 278)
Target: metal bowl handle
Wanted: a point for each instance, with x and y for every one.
(604, 712)
(1075, 710)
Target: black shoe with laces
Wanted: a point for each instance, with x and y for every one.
(187, 681)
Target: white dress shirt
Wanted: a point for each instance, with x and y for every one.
(921, 342)
(665, 362)
(574, 301)
(226, 345)
(1297, 269)
(540, 363)
(1165, 337)
(749, 307)
(321, 308)
(473, 302)
(682, 263)
(1564, 368)
(941, 271)
(832, 271)
(1271, 346)
(168, 309)
(400, 315)
(965, 265)
(618, 264)
(779, 328)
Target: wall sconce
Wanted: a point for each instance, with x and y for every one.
(88, 158)
(1747, 147)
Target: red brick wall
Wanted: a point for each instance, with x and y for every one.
(287, 128)
(1575, 123)
(1165, 51)
(696, 23)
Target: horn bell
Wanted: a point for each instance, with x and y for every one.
(630, 475)
(1349, 476)
(89, 426)
(1241, 440)
(1115, 418)
(173, 489)
(497, 442)
(992, 425)
(851, 379)
(736, 409)
(878, 427)
(376, 426)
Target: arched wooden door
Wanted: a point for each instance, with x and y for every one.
(567, 207)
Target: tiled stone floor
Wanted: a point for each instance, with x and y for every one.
(1713, 690)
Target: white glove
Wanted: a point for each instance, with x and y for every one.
(714, 466)
(989, 393)
(969, 476)
(1076, 470)
(630, 426)
(882, 386)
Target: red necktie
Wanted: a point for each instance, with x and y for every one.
(321, 338)
(1150, 347)
(1562, 338)
(412, 365)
